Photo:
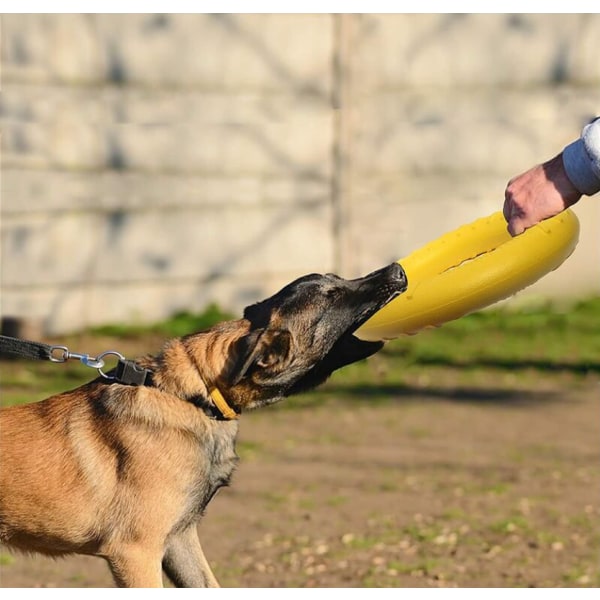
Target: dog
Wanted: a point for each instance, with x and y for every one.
(125, 472)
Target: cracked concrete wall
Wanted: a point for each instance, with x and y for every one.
(156, 163)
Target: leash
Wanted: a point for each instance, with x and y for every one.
(127, 372)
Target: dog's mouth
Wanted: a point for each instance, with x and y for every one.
(373, 292)
(337, 308)
(394, 284)
(366, 314)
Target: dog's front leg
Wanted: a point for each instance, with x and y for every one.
(135, 567)
(184, 561)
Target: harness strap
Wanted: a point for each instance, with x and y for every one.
(130, 373)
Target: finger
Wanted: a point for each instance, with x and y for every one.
(507, 209)
(515, 226)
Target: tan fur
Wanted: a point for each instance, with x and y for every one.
(125, 472)
(110, 470)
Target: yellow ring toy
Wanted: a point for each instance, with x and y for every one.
(470, 268)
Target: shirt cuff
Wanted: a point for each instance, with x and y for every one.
(581, 167)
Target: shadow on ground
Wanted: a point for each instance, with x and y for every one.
(466, 395)
(581, 367)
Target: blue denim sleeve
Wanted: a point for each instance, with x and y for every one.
(582, 160)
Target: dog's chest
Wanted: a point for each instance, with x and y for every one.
(222, 461)
(218, 460)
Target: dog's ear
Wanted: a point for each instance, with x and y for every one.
(273, 349)
(241, 356)
(258, 349)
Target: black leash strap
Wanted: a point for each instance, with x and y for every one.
(24, 349)
(126, 372)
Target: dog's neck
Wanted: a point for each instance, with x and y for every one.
(214, 407)
(185, 370)
(225, 410)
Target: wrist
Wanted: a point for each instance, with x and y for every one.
(556, 173)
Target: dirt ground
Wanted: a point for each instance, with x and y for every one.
(490, 484)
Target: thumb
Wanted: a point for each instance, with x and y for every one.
(515, 226)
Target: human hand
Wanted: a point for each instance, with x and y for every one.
(540, 193)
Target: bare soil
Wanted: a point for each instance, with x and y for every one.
(494, 483)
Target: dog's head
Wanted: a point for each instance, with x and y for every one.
(299, 336)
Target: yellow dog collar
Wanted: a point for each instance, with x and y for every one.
(221, 404)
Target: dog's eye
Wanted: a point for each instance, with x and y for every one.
(333, 293)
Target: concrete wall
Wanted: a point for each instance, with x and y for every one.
(155, 163)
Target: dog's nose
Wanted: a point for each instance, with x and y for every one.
(392, 277)
(397, 271)
(397, 274)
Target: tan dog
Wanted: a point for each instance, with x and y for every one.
(125, 472)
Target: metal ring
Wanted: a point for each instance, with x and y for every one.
(99, 358)
(64, 354)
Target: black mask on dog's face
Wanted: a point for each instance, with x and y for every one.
(299, 336)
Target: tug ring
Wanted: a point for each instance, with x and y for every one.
(470, 268)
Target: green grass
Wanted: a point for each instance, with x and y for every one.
(543, 338)
(425, 566)
(507, 525)
(249, 450)
(6, 559)
(179, 324)
(492, 345)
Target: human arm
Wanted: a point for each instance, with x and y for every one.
(547, 189)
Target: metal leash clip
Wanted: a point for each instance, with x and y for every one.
(61, 354)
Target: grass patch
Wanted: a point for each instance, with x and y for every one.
(497, 488)
(425, 566)
(337, 500)
(512, 524)
(421, 533)
(578, 575)
(454, 514)
(545, 338)
(362, 542)
(6, 559)
(247, 450)
(388, 485)
(179, 324)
